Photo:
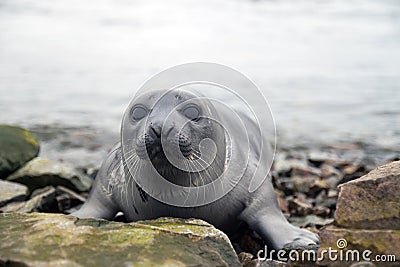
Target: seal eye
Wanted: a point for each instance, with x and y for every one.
(191, 112)
(139, 113)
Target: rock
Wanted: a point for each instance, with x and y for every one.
(42, 200)
(325, 203)
(332, 182)
(310, 221)
(363, 264)
(332, 194)
(283, 164)
(63, 202)
(285, 185)
(300, 205)
(318, 186)
(10, 192)
(246, 259)
(372, 201)
(305, 171)
(39, 239)
(17, 146)
(328, 170)
(42, 172)
(322, 211)
(283, 204)
(352, 172)
(304, 183)
(317, 158)
(379, 242)
(272, 263)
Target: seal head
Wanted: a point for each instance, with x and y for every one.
(178, 132)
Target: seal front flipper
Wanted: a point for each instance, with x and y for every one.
(100, 203)
(97, 206)
(264, 216)
(278, 233)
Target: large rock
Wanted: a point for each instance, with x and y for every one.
(12, 192)
(42, 172)
(379, 242)
(39, 239)
(372, 201)
(17, 146)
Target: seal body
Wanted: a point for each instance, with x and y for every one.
(118, 185)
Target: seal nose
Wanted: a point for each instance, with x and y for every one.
(155, 129)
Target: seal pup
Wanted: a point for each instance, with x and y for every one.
(163, 134)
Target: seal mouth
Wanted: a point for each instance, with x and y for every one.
(154, 150)
(157, 151)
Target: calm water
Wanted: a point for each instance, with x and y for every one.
(330, 69)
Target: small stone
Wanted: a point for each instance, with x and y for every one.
(372, 201)
(351, 169)
(363, 264)
(272, 263)
(246, 259)
(304, 183)
(283, 204)
(283, 165)
(42, 172)
(328, 170)
(318, 186)
(317, 158)
(91, 172)
(300, 206)
(353, 172)
(285, 185)
(332, 193)
(332, 182)
(17, 146)
(10, 192)
(43, 201)
(310, 221)
(322, 211)
(63, 202)
(305, 171)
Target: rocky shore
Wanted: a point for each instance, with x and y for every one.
(318, 188)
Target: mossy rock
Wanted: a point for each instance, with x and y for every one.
(353, 242)
(41, 172)
(371, 201)
(41, 239)
(17, 146)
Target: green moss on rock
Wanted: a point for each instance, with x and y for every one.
(38, 239)
(17, 146)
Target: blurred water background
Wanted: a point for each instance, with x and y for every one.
(329, 69)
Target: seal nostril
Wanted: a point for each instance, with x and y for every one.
(156, 130)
